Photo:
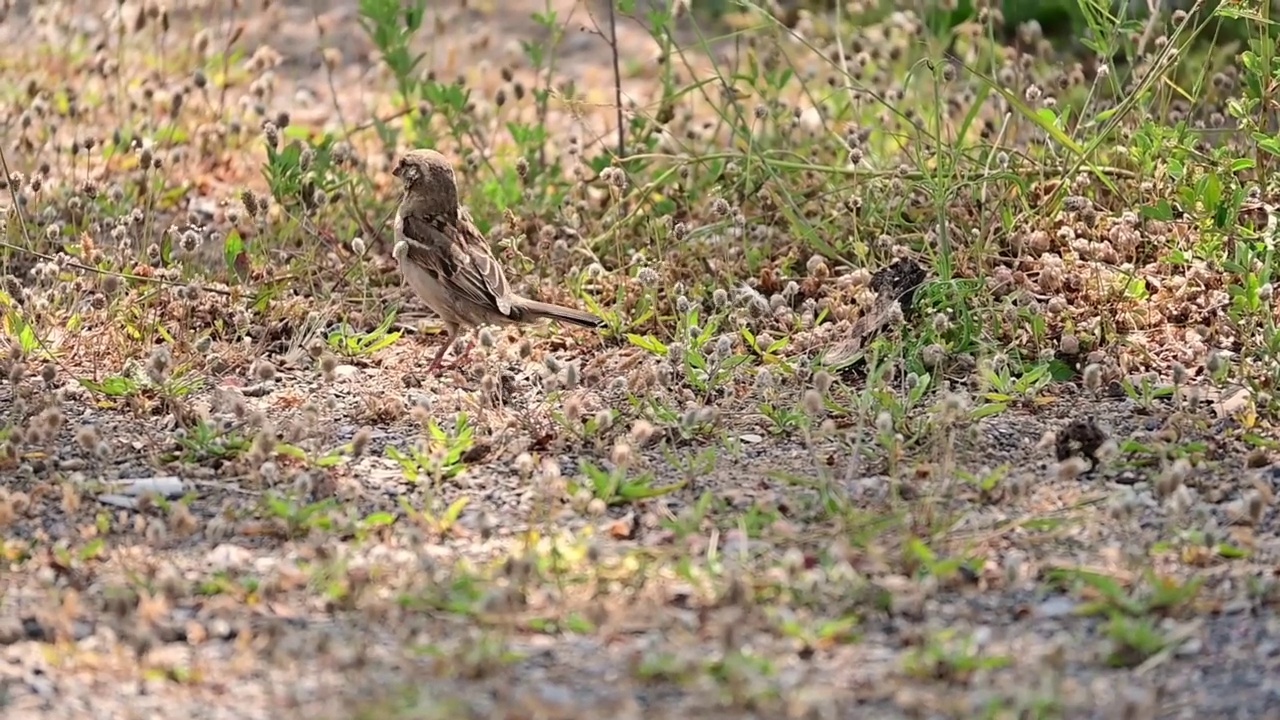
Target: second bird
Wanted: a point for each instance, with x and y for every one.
(448, 262)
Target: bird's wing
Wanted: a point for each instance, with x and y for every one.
(452, 257)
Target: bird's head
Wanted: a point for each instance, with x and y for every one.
(428, 176)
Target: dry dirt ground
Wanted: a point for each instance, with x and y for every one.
(833, 570)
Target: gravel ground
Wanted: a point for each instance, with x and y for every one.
(72, 644)
(242, 603)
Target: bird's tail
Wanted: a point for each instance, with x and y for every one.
(532, 310)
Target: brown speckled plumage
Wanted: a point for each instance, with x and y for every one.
(448, 263)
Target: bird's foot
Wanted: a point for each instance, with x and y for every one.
(436, 362)
(459, 359)
(465, 354)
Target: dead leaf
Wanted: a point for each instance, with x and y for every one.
(624, 528)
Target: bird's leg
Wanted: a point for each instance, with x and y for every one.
(435, 364)
(466, 351)
(450, 336)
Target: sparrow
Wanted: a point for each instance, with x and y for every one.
(448, 262)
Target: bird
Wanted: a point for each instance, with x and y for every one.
(448, 263)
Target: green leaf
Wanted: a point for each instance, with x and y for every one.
(987, 410)
(93, 550)
(382, 342)
(113, 386)
(331, 460)
(233, 254)
(1240, 164)
(378, 519)
(454, 511)
(1160, 211)
(292, 451)
(632, 492)
(26, 335)
(576, 623)
(1267, 142)
(1060, 371)
(1231, 552)
(648, 343)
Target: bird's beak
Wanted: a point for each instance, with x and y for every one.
(398, 170)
